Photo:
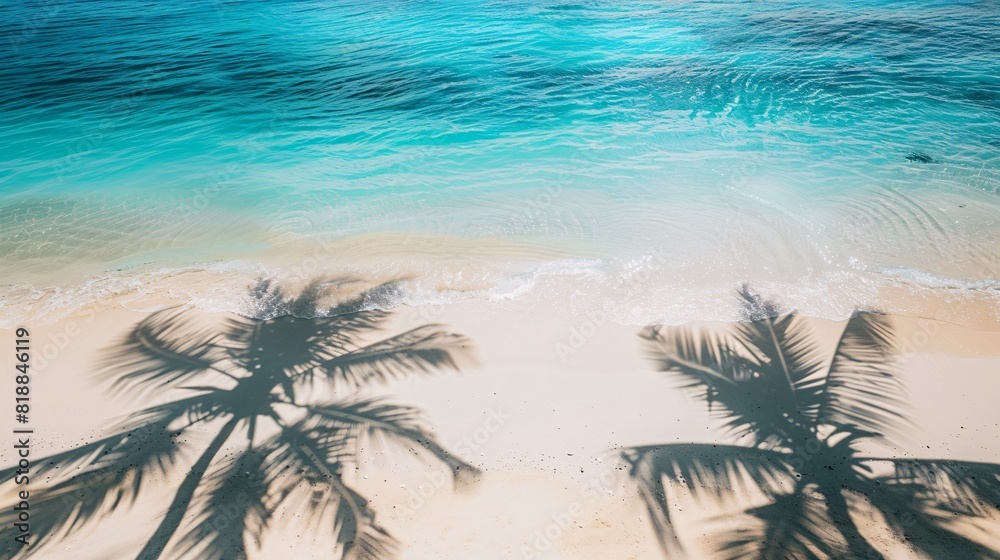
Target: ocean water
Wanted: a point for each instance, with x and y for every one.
(638, 158)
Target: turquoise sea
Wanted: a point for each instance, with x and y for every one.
(634, 152)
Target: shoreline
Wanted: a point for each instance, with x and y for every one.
(426, 272)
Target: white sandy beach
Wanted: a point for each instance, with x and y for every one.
(541, 412)
(479, 280)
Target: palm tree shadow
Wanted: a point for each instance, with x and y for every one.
(282, 382)
(804, 422)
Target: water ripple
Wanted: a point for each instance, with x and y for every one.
(752, 139)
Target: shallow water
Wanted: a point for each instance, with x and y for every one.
(701, 144)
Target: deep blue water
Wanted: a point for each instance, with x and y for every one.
(133, 128)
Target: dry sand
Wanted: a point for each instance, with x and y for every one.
(541, 413)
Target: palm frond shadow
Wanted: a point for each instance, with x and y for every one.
(282, 383)
(801, 421)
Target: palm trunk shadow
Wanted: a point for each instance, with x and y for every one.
(285, 386)
(805, 416)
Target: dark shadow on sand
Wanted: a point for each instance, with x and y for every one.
(281, 384)
(802, 421)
